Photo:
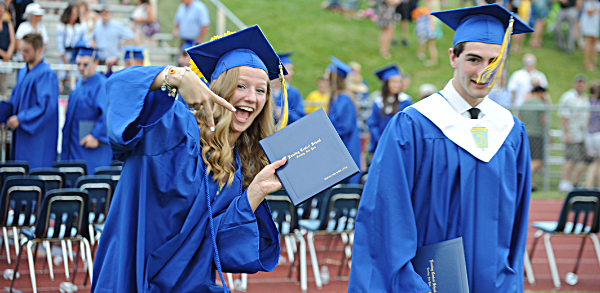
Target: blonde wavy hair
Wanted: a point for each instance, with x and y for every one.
(215, 145)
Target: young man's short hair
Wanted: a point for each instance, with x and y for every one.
(35, 39)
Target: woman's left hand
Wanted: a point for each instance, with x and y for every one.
(264, 183)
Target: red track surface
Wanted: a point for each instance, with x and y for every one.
(565, 250)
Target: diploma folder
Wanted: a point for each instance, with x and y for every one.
(85, 128)
(317, 157)
(442, 266)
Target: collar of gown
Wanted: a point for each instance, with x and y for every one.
(483, 137)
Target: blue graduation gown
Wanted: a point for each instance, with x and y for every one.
(87, 103)
(424, 189)
(35, 102)
(295, 106)
(378, 121)
(157, 236)
(342, 114)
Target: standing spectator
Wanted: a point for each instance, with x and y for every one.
(356, 84)
(590, 28)
(541, 10)
(387, 23)
(142, 18)
(404, 11)
(33, 13)
(87, 19)
(520, 82)
(84, 133)
(533, 116)
(7, 47)
(20, 12)
(574, 112)
(593, 137)
(318, 96)
(191, 22)
(69, 31)
(109, 35)
(427, 31)
(569, 9)
(35, 107)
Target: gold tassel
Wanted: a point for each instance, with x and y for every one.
(493, 74)
(283, 119)
(196, 71)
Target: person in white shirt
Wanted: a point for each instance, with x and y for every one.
(33, 14)
(69, 31)
(520, 82)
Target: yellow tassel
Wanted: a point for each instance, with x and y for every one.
(216, 37)
(283, 119)
(493, 74)
(196, 71)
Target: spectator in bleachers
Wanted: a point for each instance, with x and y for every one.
(191, 22)
(20, 12)
(320, 95)
(35, 107)
(520, 82)
(574, 112)
(69, 31)
(84, 133)
(88, 19)
(569, 10)
(387, 23)
(142, 20)
(33, 13)
(7, 47)
(590, 28)
(533, 116)
(109, 35)
(593, 137)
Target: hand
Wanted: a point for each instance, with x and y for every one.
(111, 61)
(264, 183)
(89, 142)
(13, 122)
(175, 33)
(567, 138)
(195, 93)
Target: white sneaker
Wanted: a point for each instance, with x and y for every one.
(565, 186)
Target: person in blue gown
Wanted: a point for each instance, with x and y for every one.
(342, 112)
(189, 204)
(385, 108)
(84, 132)
(35, 108)
(455, 164)
(294, 96)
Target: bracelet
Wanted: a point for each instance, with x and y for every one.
(166, 85)
(185, 68)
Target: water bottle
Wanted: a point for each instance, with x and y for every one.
(9, 273)
(67, 287)
(571, 279)
(325, 275)
(237, 285)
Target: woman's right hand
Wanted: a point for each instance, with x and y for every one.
(265, 182)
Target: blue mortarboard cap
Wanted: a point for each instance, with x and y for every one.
(186, 46)
(285, 57)
(135, 52)
(342, 68)
(388, 71)
(248, 47)
(484, 24)
(83, 50)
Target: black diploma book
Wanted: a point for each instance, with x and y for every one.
(317, 157)
(442, 266)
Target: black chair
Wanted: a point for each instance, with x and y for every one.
(72, 170)
(117, 163)
(114, 171)
(19, 205)
(583, 207)
(13, 168)
(99, 188)
(63, 216)
(54, 178)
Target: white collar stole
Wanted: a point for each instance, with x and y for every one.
(482, 138)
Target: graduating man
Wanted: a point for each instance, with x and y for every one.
(35, 107)
(84, 132)
(295, 106)
(455, 164)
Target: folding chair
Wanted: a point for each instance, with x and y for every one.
(54, 178)
(99, 188)
(343, 209)
(13, 168)
(582, 207)
(68, 208)
(72, 170)
(19, 204)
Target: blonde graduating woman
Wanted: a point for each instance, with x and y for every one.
(190, 199)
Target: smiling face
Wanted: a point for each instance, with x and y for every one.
(395, 84)
(249, 98)
(467, 67)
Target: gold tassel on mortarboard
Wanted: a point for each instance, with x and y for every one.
(495, 73)
(283, 118)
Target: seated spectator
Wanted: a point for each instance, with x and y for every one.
(593, 137)
(33, 13)
(574, 112)
(142, 18)
(7, 47)
(319, 96)
(109, 35)
(69, 32)
(534, 118)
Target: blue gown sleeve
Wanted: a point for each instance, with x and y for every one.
(133, 110)
(46, 92)
(373, 123)
(248, 241)
(345, 123)
(99, 131)
(386, 229)
(296, 107)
